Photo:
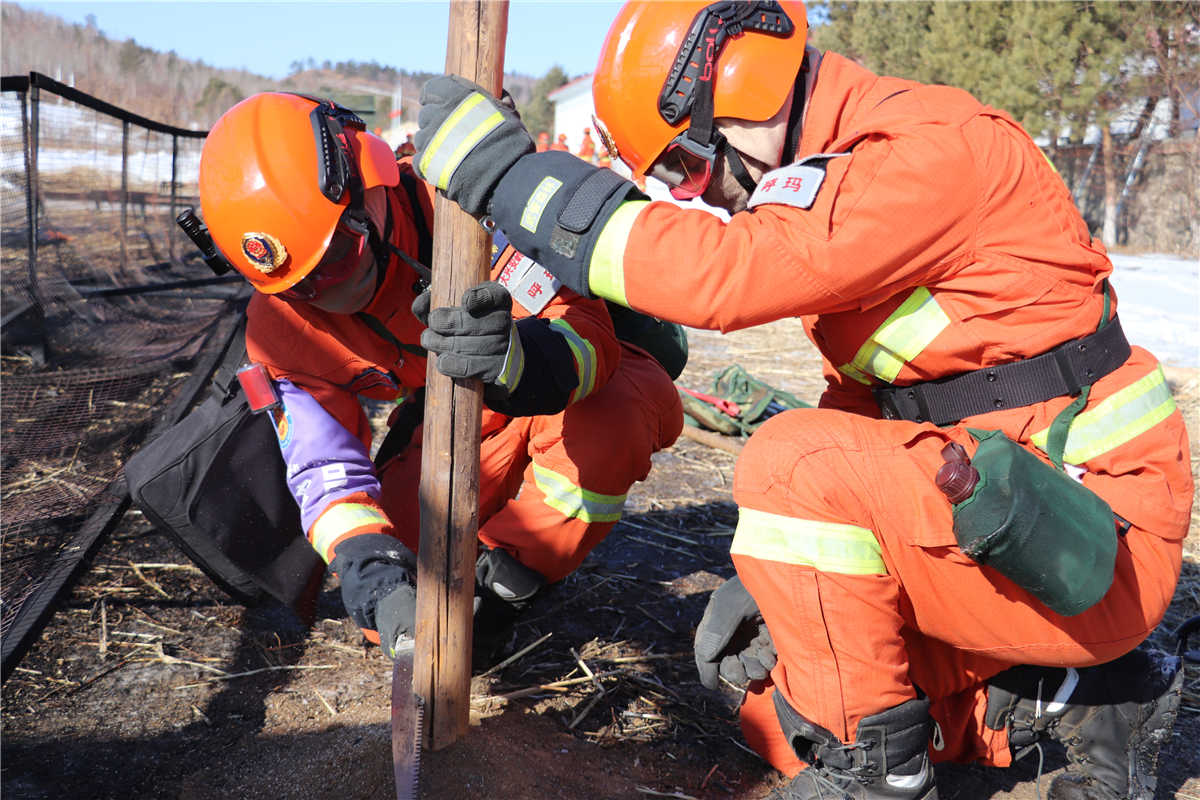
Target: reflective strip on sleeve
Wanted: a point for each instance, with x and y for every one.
(1117, 419)
(574, 501)
(900, 339)
(340, 519)
(606, 271)
(585, 358)
(825, 546)
(473, 119)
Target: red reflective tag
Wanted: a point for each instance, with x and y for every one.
(258, 388)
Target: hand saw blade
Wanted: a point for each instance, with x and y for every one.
(408, 724)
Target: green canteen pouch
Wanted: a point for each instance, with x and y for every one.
(1045, 532)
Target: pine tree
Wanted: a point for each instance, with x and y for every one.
(538, 113)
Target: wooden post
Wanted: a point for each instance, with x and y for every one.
(450, 457)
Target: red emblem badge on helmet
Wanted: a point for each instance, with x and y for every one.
(264, 251)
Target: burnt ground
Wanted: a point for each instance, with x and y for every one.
(150, 682)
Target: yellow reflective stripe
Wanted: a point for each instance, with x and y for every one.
(531, 215)
(574, 501)
(900, 339)
(606, 271)
(514, 362)
(826, 546)
(340, 519)
(585, 358)
(1117, 419)
(473, 119)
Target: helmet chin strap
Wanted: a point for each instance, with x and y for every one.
(736, 166)
(380, 245)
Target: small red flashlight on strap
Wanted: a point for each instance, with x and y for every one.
(257, 386)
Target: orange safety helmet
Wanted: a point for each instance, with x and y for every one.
(277, 173)
(656, 53)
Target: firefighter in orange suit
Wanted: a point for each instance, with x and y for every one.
(957, 300)
(333, 233)
(587, 148)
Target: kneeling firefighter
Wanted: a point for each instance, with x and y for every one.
(318, 215)
(957, 555)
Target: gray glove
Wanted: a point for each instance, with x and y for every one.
(732, 639)
(466, 141)
(396, 616)
(477, 339)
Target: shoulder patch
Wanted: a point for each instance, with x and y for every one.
(528, 282)
(794, 185)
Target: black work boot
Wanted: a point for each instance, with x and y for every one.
(888, 760)
(501, 574)
(504, 587)
(1112, 718)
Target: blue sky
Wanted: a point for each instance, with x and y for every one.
(266, 37)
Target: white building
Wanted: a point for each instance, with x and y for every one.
(573, 112)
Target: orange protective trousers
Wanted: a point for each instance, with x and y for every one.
(851, 645)
(638, 407)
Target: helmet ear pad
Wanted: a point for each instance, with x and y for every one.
(377, 165)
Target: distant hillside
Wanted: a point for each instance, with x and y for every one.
(181, 92)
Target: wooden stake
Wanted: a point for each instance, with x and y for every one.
(450, 458)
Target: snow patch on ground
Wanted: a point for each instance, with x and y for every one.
(1159, 302)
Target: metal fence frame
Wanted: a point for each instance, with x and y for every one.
(109, 506)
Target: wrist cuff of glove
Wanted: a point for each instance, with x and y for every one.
(553, 206)
(370, 567)
(547, 387)
(514, 362)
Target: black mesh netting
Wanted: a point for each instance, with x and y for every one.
(107, 313)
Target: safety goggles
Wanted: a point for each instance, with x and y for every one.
(341, 259)
(686, 166)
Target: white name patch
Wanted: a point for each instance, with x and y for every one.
(529, 284)
(794, 185)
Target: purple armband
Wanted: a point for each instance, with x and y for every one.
(324, 461)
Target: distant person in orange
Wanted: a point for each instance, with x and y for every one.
(561, 144)
(587, 150)
(543, 142)
(406, 148)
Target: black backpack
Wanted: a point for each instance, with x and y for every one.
(215, 483)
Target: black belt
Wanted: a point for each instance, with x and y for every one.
(1062, 371)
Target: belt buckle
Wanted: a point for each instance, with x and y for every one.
(887, 403)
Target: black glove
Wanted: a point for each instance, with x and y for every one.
(466, 141)
(378, 575)
(732, 639)
(477, 339)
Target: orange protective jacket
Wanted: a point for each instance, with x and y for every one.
(933, 238)
(938, 197)
(338, 358)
